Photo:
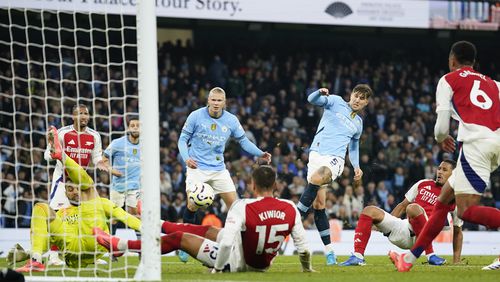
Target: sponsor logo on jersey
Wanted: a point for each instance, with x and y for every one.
(71, 142)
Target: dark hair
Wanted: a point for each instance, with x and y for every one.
(451, 162)
(264, 177)
(464, 52)
(132, 117)
(363, 89)
(78, 106)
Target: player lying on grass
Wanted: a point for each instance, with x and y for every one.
(71, 228)
(261, 223)
(418, 204)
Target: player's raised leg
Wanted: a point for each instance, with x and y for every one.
(416, 217)
(434, 225)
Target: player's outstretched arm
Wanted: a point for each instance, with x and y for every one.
(234, 222)
(458, 238)
(400, 209)
(112, 211)
(300, 242)
(318, 98)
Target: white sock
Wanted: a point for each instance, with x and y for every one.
(358, 255)
(122, 245)
(329, 248)
(410, 258)
(429, 255)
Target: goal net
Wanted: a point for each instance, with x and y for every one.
(50, 61)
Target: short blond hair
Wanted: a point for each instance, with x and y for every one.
(217, 90)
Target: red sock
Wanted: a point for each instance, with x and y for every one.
(170, 227)
(134, 245)
(54, 248)
(418, 223)
(434, 225)
(487, 216)
(171, 242)
(362, 233)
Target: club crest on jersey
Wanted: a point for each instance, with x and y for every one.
(224, 129)
(213, 126)
(88, 143)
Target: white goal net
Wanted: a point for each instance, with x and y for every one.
(50, 61)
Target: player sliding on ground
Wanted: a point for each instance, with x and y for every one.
(71, 228)
(418, 204)
(261, 223)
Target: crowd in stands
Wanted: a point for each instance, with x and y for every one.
(268, 92)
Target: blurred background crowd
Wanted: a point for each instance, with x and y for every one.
(266, 89)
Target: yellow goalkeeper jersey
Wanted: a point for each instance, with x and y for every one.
(71, 231)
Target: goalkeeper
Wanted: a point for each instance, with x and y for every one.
(71, 228)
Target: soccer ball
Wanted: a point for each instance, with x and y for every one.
(202, 195)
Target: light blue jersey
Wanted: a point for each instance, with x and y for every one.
(126, 158)
(203, 139)
(338, 128)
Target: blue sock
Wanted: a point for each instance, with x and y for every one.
(307, 198)
(189, 216)
(323, 225)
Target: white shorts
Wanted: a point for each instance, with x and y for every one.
(476, 162)
(398, 231)
(207, 254)
(130, 198)
(334, 163)
(57, 198)
(219, 180)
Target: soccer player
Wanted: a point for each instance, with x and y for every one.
(340, 127)
(418, 205)
(124, 154)
(262, 224)
(70, 229)
(81, 143)
(201, 146)
(473, 99)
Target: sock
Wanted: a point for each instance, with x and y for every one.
(54, 248)
(432, 228)
(487, 216)
(307, 198)
(362, 234)
(133, 245)
(189, 216)
(170, 227)
(323, 225)
(39, 232)
(418, 223)
(138, 235)
(77, 174)
(171, 242)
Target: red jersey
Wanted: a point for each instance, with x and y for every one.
(263, 225)
(474, 100)
(424, 193)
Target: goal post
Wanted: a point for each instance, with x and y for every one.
(57, 54)
(150, 265)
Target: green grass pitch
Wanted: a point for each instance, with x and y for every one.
(287, 268)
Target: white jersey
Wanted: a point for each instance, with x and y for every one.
(262, 224)
(81, 147)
